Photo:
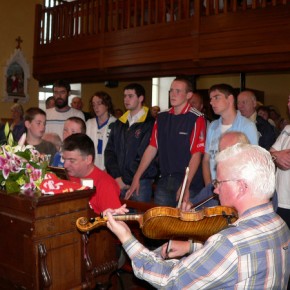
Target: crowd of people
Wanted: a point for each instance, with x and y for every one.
(242, 156)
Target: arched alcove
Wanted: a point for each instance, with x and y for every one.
(16, 74)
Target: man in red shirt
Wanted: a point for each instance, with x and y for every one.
(78, 156)
(179, 138)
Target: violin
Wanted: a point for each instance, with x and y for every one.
(172, 223)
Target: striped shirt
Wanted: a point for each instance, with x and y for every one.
(250, 254)
(55, 119)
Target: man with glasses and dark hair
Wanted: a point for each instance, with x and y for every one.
(55, 117)
(179, 138)
(252, 253)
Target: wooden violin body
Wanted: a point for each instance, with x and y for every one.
(172, 223)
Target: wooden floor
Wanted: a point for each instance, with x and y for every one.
(124, 278)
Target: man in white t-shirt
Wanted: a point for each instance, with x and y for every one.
(55, 117)
(281, 155)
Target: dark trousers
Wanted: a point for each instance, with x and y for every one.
(284, 213)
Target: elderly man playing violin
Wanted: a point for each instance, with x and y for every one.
(252, 253)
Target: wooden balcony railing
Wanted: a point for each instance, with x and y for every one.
(93, 40)
(91, 17)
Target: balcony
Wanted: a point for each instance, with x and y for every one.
(97, 40)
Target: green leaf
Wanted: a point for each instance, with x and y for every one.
(35, 165)
(24, 154)
(6, 129)
(12, 186)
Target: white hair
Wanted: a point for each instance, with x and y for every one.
(254, 165)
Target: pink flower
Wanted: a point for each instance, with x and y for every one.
(35, 174)
(6, 170)
(22, 167)
(3, 161)
(27, 187)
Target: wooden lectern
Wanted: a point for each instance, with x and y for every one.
(41, 248)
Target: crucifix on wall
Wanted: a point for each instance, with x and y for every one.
(19, 41)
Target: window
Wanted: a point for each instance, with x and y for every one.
(160, 88)
(155, 95)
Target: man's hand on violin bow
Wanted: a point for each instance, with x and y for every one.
(119, 228)
(186, 205)
(185, 195)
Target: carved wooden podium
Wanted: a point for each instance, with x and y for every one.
(40, 247)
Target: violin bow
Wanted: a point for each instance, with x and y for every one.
(183, 187)
(168, 248)
(195, 206)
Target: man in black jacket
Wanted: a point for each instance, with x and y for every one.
(128, 139)
(247, 106)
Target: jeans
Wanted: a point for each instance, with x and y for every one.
(167, 186)
(145, 191)
(165, 193)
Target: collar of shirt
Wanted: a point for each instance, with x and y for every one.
(253, 117)
(136, 117)
(184, 110)
(237, 118)
(256, 211)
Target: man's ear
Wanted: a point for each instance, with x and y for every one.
(141, 99)
(27, 124)
(89, 159)
(255, 103)
(231, 97)
(242, 188)
(189, 95)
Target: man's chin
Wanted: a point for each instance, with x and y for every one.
(60, 106)
(223, 202)
(69, 173)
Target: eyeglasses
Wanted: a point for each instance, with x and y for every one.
(216, 183)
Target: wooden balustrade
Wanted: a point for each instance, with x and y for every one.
(89, 17)
(89, 40)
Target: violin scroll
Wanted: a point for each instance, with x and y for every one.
(85, 225)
